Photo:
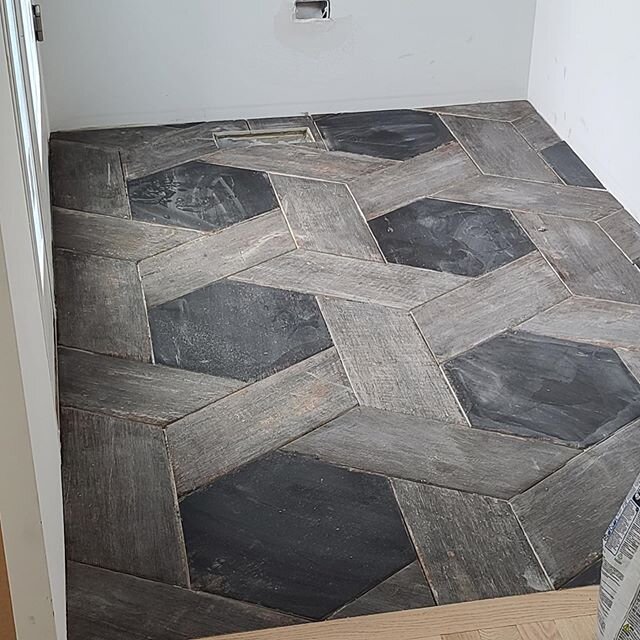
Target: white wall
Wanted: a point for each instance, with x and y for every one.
(110, 62)
(585, 80)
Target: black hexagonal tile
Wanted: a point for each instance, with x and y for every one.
(295, 534)
(396, 135)
(237, 330)
(537, 386)
(446, 236)
(203, 196)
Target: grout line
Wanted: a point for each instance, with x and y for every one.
(463, 147)
(366, 224)
(533, 549)
(176, 507)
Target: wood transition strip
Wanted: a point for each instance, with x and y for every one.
(461, 618)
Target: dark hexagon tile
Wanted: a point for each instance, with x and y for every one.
(567, 164)
(530, 385)
(203, 196)
(294, 534)
(446, 236)
(237, 330)
(396, 135)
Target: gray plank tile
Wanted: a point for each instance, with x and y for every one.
(115, 138)
(533, 197)
(175, 147)
(566, 515)
(257, 419)
(324, 217)
(507, 111)
(624, 230)
(135, 390)
(632, 361)
(585, 257)
(536, 131)
(416, 178)
(498, 149)
(387, 361)
(120, 507)
(487, 306)
(391, 285)
(100, 306)
(113, 237)
(601, 322)
(299, 161)
(568, 165)
(434, 452)
(87, 178)
(406, 589)
(104, 605)
(471, 546)
(174, 273)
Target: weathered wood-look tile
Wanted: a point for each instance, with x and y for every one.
(104, 605)
(115, 138)
(199, 195)
(631, 360)
(135, 390)
(174, 273)
(299, 161)
(533, 197)
(324, 217)
(237, 330)
(100, 306)
(257, 419)
(498, 149)
(87, 178)
(471, 546)
(387, 361)
(294, 534)
(610, 324)
(113, 237)
(536, 131)
(624, 230)
(448, 236)
(176, 146)
(391, 285)
(396, 134)
(430, 451)
(120, 509)
(566, 515)
(406, 589)
(487, 306)
(568, 165)
(585, 257)
(411, 180)
(529, 385)
(507, 111)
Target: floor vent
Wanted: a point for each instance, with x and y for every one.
(295, 135)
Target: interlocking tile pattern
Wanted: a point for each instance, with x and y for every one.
(376, 365)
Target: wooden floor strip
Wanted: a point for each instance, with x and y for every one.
(443, 622)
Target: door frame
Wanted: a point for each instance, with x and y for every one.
(30, 490)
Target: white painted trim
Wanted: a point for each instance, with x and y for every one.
(30, 490)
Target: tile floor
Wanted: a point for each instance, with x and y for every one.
(317, 367)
